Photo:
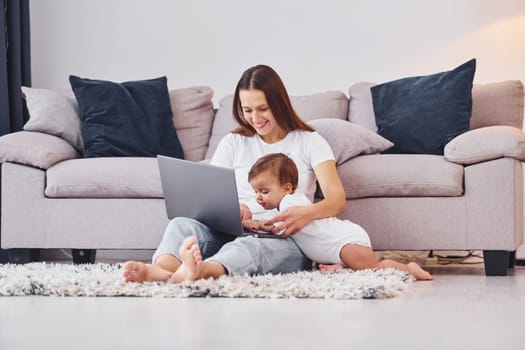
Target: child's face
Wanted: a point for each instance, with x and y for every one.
(268, 191)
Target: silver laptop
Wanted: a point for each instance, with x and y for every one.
(204, 192)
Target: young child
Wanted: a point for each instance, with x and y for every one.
(339, 243)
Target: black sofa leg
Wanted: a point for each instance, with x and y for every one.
(496, 262)
(4, 256)
(84, 256)
(22, 255)
(512, 259)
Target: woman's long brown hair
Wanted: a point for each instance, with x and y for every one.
(264, 78)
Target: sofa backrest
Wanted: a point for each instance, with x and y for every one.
(492, 104)
(497, 104)
(200, 127)
(329, 104)
(193, 115)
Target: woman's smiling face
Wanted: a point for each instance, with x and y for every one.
(258, 114)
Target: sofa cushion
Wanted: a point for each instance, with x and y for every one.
(329, 104)
(401, 175)
(497, 104)
(34, 148)
(133, 118)
(193, 118)
(422, 114)
(485, 144)
(348, 140)
(107, 177)
(55, 113)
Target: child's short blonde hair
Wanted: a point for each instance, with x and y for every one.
(280, 167)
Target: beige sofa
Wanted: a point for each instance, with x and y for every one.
(468, 199)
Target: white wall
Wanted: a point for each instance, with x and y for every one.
(314, 45)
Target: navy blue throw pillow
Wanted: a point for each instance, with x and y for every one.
(133, 118)
(422, 114)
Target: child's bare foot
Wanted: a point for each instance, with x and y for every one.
(333, 267)
(134, 271)
(418, 272)
(191, 258)
(137, 271)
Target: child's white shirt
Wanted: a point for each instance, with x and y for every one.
(322, 240)
(307, 149)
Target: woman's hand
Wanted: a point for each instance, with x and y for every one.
(246, 213)
(292, 220)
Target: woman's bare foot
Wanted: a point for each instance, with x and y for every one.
(134, 271)
(137, 271)
(418, 272)
(333, 267)
(191, 258)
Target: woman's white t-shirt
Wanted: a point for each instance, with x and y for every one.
(307, 149)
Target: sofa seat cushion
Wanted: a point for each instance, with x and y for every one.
(106, 177)
(401, 175)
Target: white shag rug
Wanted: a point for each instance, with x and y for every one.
(104, 280)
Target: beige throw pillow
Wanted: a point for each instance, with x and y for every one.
(193, 118)
(54, 113)
(349, 140)
(360, 107)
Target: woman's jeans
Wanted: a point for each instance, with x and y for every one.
(238, 255)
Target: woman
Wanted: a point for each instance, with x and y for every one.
(267, 124)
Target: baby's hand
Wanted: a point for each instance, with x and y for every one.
(257, 225)
(251, 224)
(263, 225)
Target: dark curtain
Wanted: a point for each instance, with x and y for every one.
(15, 63)
(15, 68)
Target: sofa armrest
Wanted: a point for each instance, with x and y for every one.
(34, 148)
(485, 144)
